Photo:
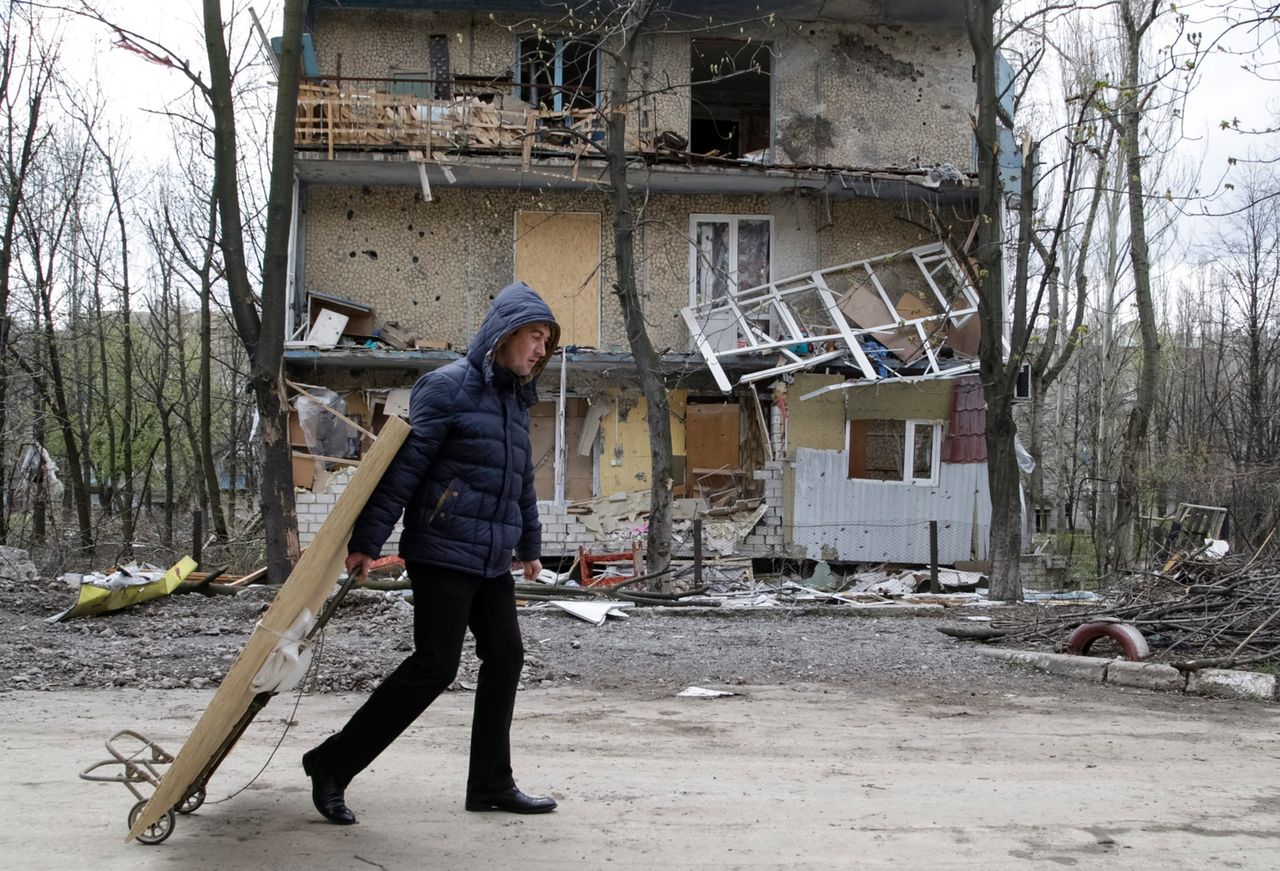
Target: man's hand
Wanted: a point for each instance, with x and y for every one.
(531, 568)
(358, 565)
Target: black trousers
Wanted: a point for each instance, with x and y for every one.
(446, 602)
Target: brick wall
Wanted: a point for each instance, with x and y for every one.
(766, 540)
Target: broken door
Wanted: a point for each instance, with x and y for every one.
(712, 438)
(579, 470)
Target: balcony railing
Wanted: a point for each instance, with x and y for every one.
(369, 114)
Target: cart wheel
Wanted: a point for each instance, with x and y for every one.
(191, 803)
(157, 831)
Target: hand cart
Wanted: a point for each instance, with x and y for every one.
(140, 759)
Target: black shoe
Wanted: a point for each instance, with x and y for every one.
(326, 794)
(513, 801)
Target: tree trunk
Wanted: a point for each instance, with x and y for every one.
(1131, 115)
(127, 531)
(14, 186)
(997, 374)
(280, 519)
(166, 432)
(62, 414)
(40, 501)
(262, 335)
(648, 363)
(106, 482)
(208, 468)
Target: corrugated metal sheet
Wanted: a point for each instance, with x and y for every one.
(966, 440)
(836, 518)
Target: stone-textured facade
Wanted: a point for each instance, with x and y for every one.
(433, 267)
(854, 95)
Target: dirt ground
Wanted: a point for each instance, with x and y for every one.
(852, 742)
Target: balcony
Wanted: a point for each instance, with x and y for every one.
(401, 132)
(368, 115)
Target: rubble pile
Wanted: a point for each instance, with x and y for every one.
(763, 631)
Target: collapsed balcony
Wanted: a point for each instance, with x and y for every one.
(372, 114)
(906, 315)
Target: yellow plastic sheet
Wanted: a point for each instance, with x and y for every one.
(98, 600)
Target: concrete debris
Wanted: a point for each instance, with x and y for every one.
(16, 564)
(748, 599)
(885, 584)
(620, 518)
(1068, 597)
(951, 579)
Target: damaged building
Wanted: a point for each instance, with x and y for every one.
(791, 175)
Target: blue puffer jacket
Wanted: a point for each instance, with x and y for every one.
(464, 476)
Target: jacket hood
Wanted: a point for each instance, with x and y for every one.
(518, 305)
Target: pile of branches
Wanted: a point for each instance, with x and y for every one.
(1215, 614)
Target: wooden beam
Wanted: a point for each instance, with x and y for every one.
(307, 587)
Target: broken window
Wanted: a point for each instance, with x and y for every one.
(730, 98)
(556, 73)
(895, 450)
(729, 252)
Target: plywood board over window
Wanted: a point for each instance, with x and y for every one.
(558, 255)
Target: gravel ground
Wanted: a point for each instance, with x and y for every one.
(189, 641)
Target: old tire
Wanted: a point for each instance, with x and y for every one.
(1131, 641)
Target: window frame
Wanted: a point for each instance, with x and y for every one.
(559, 42)
(732, 220)
(907, 471)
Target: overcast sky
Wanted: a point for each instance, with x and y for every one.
(133, 85)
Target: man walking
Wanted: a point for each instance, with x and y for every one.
(464, 481)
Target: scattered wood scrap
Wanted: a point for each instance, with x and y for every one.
(1218, 614)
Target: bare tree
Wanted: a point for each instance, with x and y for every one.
(26, 76)
(262, 333)
(45, 219)
(194, 237)
(259, 318)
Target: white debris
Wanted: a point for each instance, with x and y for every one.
(703, 693)
(592, 612)
(1216, 549)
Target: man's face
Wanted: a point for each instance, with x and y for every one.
(524, 348)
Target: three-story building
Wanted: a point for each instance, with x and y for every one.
(776, 157)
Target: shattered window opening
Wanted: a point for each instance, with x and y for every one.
(556, 73)
(730, 111)
(895, 316)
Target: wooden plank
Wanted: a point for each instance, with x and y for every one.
(542, 438)
(857, 449)
(526, 152)
(306, 588)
